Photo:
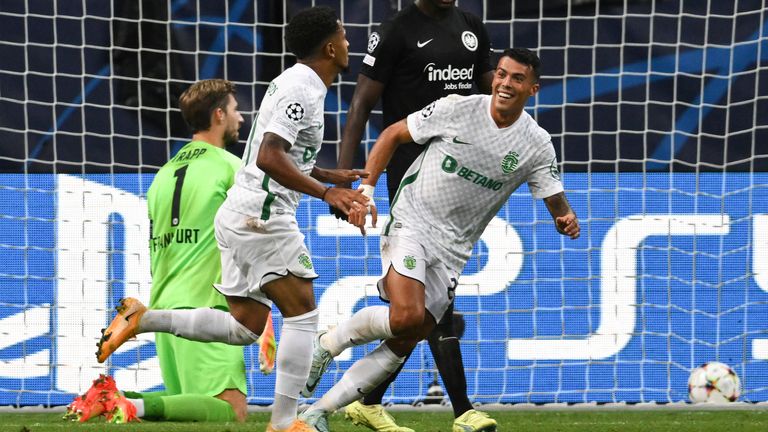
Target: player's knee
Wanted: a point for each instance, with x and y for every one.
(240, 334)
(305, 322)
(402, 346)
(407, 323)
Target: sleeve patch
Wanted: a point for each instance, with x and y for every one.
(553, 169)
(369, 60)
(295, 111)
(373, 41)
(427, 110)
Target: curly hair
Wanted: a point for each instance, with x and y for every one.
(526, 57)
(309, 28)
(198, 102)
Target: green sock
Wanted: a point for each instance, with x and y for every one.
(154, 408)
(137, 395)
(187, 407)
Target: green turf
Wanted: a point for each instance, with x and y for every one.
(514, 420)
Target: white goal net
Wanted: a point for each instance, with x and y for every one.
(658, 111)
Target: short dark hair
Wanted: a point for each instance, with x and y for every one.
(309, 28)
(526, 57)
(201, 99)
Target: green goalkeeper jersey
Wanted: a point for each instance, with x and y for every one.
(182, 201)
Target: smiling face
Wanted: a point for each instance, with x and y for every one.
(513, 83)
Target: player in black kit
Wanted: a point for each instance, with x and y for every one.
(428, 50)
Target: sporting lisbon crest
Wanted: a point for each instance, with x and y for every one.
(305, 261)
(509, 163)
(553, 169)
(409, 262)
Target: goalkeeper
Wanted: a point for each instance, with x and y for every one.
(480, 149)
(427, 51)
(185, 263)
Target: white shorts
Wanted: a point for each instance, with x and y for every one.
(409, 258)
(255, 254)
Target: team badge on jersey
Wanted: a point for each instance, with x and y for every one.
(409, 262)
(305, 261)
(509, 163)
(427, 110)
(469, 40)
(295, 111)
(373, 41)
(553, 169)
(309, 154)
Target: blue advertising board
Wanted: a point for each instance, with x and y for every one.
(671, 271)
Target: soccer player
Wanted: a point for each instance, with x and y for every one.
(428, 50)
(480, 150)
(264, 258)
(185, 264)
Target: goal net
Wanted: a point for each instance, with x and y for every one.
(658, 111)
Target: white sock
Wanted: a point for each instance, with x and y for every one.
(202, 325)
(139, 404)
(362, 377)
(366, 325)
(294, 358)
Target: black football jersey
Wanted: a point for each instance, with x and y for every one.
(420, 59)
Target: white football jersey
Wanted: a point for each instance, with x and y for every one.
(293, 109)
(467, 172)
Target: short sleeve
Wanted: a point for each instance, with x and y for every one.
(291, 114)
(433, 120)
(384, 49)
(544, 180)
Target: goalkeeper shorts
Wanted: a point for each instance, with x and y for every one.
(207, 368)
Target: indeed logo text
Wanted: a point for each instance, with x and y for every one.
(450, 73)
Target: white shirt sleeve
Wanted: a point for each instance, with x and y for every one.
(432, 121)
(292, 113)
(544, 179)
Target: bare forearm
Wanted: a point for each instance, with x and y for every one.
(384, 148)
(320, 174)
(275, 163)
(290, 177)
(558, 205)
(367, 93)
(353, 133)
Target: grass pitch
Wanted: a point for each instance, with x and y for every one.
(544, 420)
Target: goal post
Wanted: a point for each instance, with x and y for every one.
(658, 111)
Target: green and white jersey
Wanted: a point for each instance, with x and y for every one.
(293, 109)
(182, 202)
(467, 172)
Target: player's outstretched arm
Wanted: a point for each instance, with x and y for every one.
(337, 176)
(367, 94)
(384, 148)
(566, 221)
(273, 159)
(389, 140)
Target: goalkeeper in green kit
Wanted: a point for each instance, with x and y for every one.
(203, 381)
